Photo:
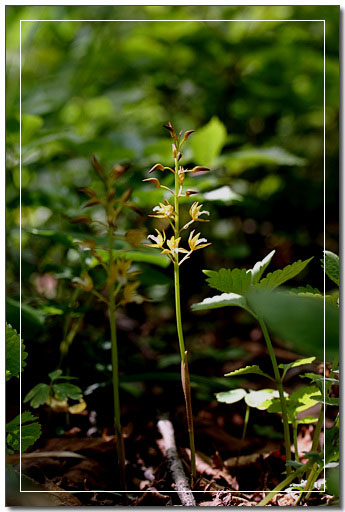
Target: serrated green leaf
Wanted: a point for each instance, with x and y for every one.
(208, 141)
(38, 395)
(298, 320)
(261, 399)
(219, 301)
(232, 396)
(55, 374)
(31, 431)
(246, 370)
(65, 390)
(260, 267)
(229, 281)
(330, 264)
(277, 278)
(15, 353)
(294, 364)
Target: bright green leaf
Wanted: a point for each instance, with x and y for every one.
(330, 264)
(294, 364)
(208, 141)
(15, 353)
(219, 301)
(31, 431)
(261, 399)
(54, 375)
(246, 370)
(231, 396)
(229, 281)
(65, 390)
(274, 279)
(260, 267)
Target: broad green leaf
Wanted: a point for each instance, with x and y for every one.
(15, 353)
(330, 264)
(328, 400)
(260, 267)
(248, 369)
(298, 401)
(298, 320)
(274, 279)
(229, 281)
(208, 142)
(261, 399)
(65, 390)
(55, 374)
(31, 431)
(306, 289)
(268, 156)
(231, 396)
(32, 319)
(38, 395)
(219, 301)
(294, 364)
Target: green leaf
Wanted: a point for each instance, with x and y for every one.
(15, 353)
(306, 289)
(294, 364)
(208, 141)
(32, 319)
(31, 431)
(231, 396)
(328, 400)
(38, 395)
(54, 375)
(266, 156)
(260, 267)
(248, 369)
(298, 320)
(261, 399)
(330, 264)
(298, 401)
(65, 390)
(229, 281)
(274, 279)
(219, 301)
(306, 420)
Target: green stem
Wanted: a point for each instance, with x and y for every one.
(115, 371)
(246, 420)
(295, 442)
(184, 361)
(280, 487)
(281, 393)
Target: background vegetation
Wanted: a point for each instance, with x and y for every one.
(253, 90)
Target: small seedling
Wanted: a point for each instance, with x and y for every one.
(172, 248)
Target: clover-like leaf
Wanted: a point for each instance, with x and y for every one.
(38, 395)
(65, 390)
(229, 281)
(261, 399)
(55, 374)
(274, 279)
(30, 431)
(248, 369)
(15, 353)
(219, 301)
(330, 264)
(232, 396)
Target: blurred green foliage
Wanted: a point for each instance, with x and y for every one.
(253, 90)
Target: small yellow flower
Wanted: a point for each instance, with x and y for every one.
(195, 243)
(195, 212)
(130, 294)
(159, 239)
(173, 245)
(164, 211)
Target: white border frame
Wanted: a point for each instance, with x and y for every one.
(20, 232)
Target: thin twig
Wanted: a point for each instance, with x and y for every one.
(175, 465)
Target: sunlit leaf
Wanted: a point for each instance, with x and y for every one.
(246, 370)
(231, 396)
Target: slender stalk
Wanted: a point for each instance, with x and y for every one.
(281, 393)
(115, 371)
(246, 420)
(295, 442)
(184, 361)
(280, 487)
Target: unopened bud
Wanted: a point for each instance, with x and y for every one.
(154, 181)
(92, 202)
(157, 167)
(169, 127)
(81, 219)
(190, 191)
(187, 134)
(179, 156)
(174, 150)
(98, 168)
(199, 169)
(126, 195)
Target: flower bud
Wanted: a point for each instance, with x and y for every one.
(171, 129)
(157, 167)
(179, 156)
(81, 219)
(154, 181)
(174, 150)
(191, 191)
(187, 134)
(199, 169)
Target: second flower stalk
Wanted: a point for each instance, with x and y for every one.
(171, 247)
